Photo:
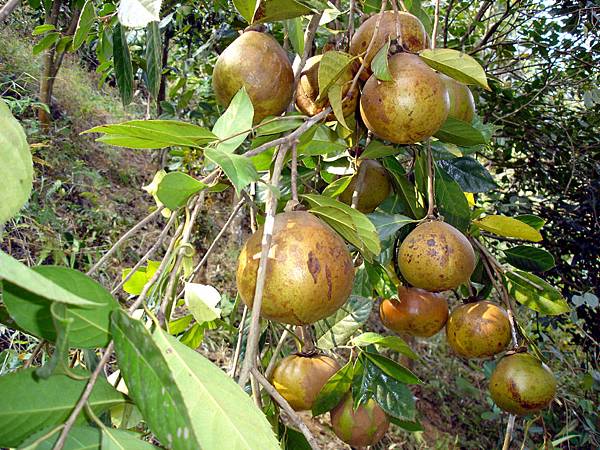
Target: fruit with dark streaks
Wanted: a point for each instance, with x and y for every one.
(374, 188)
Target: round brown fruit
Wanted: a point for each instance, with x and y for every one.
(521, 384)
(416, 312)
(410, 108)
(462, 104)
(361, 427)
(478, 330)
(436, 257)
(309, 271)
(414, 36)
(307, 91)
(374, 189)
(256, 61)
(299, 379)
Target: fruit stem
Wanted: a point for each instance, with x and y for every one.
(403, 6)
(295, 171)
(306, 339)
(358, 188)
(397, 23)
(430, 183)
(436, 21)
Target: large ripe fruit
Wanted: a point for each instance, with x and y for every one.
(416, 312)
(408, 109)
(478, 330)
(309, 271)
(374, 189)
(307, 91)
(299, 379)
(436, 257)
(361, 427)
(414, 36)
(521, 384)
(257, 61)
(462, 104)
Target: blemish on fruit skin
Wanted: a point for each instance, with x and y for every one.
(329, 285)
(314, 267)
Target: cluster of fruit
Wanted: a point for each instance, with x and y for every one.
(310, 272)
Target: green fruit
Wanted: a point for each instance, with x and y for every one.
(309, 272)
(374, 189)
(299, 379)
(521, 384)
(436, 257)
(462, 104)
(478, 330)
(410, 108)
(361, 427)
(256, 61)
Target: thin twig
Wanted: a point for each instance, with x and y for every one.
(123, 238)
(351, 21)
(272, 362)
(34, 354)
(430, 183)
(358, 187)
(436, 21)
(294, 180)
(238, 346)
(287, 408)
(509, 430)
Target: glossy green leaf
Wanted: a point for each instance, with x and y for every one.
(469, 174)
(508, 227)
(41, 29)
(532, 220)
(296, 34)
(535, 293)
(393, 369)
(377, 149)
(406, 190)
(529, 258)
(80, 437)
(337, 187)
(153, 58)
(275, 10)
(455, 64)
(320, 140)
(246, 8)
(235, 123)
(175, 189)
(276, 125)
(123, 440)
(62, 325)
(460, 133)
(16, 170)
(451, 201)
(30, 404)
(239, 169)
(387, 225)
(84, 25)
(334, 95)
(380, 66)
(46, 42)
(394, 343)
(90, 326)
(122, 63)
(338, 328)
(19, 275)
(332, 66)
(334, 390)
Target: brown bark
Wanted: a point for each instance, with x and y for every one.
(162, 89)
(7, 9)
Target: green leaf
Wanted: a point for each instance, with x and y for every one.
(275, 125)
(135, 284)
(460, 133)
(194, 336)
(296, 34)
(377, 149)
(337, 187)
(46, 42)
(30, 404)
(338, 328)
(532, 220)
(469, 174)
(320, 140)
(239, 169)
(353, 225)
(529, 258)
(406, 190)
(79, 438)
(154, 134)
(535, 293)
(18, 274)
(334, 390)
(332, 66)
(457, 65)
(394, 343)
(275, 10)
(90, 326)
(393, 369)
(175, 189)
(387, 225)
(84, 25)
(379, 65)
(508, 227)
(122, 62)
(235, 123)
(41, 29)
(451, 201)
(412, 426)
(123, 440)
(153, 58)
(62, 326)
(202, 300)
(16, 170)
(246, 8)
(334, 95)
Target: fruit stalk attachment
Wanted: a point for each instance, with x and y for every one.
(430, 183)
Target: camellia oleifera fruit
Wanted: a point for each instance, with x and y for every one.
(374, 189)
(521, 384)
(300, 378)
(462, 104)
(436, 257)
(361, 427)
(416, 312)
(410, 108)
(414, 37)
(256, 61)
(307, 91)
(309, 271)
(478, 330)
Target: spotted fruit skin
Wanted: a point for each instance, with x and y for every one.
(462, 103)
(375, 186)
(416, 312)
(478, 330)
(364, 426)
(414, 36)
(256, 61)
(309, 271)
(299, 379)
(410, 108)
(436, 257)
(521, 384)
(307, 91)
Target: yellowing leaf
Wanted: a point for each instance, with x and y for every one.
(470, 198)
(331, 67)
(457, 65)
(508, 227)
